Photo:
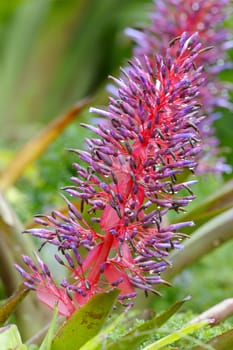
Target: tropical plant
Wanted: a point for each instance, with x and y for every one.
(130, 222)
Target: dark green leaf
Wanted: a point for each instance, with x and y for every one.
(164, 316)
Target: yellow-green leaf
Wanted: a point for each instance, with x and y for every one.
(10, 338)
(85, 323)
(37, 145)
(173, 337)
(46, 344)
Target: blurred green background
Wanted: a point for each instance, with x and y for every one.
(52, 54)
(55, 52)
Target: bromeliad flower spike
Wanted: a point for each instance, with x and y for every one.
(127, 186)
(170, 19)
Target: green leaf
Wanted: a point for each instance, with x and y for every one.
(213, 205)
(96, 343)
(10, 338)
(46, 344)
(85, 323)
(9, 306)
(205, 239)
(136, 336)
(173, 337)
(37, 145)
(223, 341)
(164, 316)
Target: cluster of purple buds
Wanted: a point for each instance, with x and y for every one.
(170, 19)
(128, 182)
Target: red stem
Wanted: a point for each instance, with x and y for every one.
(102, 257)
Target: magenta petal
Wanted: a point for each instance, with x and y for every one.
(90, 258)
(65, 305)
(113, 274)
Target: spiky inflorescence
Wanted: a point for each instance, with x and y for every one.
(169, 20)
(128, 184)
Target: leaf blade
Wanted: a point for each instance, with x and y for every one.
(88, 320)
(173, 337)
(139, 334)
(37, 145)
(206, 238)
(10, 305)
(10, 338)
(46, 344)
